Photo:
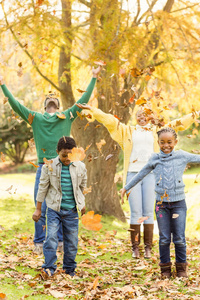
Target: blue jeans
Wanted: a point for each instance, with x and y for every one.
(171, 218)
(69, 221)
(40, 226)
(142, 198)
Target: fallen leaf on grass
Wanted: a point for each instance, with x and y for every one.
(77, 154)
(57, 294)
(2, 296)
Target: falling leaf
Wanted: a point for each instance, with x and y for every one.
(141, 101)
(71, 115)
(189, 136)
(10, 188)
(165, 195)
(30, 118)
(135, 72)
(117, 117)
(48, 163)
(5, 100)
(44, 150)
(80, 115)
(31, 144)
(131, 100)
(2, 296)
(137, 237)
(39, 2)
(178, 123)
(97, 126)
(86, 126)
(88, 147)
(77, 154)
(100, 63)
(134, 161)
(147, 77)
(81, 91)
(30, 162)
(108, 156)
(100, 144)
(46, 49)
(92, 221)
(142, 219)
(87, 190)
(20, 64)
(3, 158)
(174, 216)
(195, 131)
(61, 116)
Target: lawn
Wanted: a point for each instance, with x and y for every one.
(105, 267)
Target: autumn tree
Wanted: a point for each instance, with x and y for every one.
(148, 48)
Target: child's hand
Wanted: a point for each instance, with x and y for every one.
(83, 106)
(122, 192)
(1, 80)
(83, 211)
(36, 216)
(96, 71)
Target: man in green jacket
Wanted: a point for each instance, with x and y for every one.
(48, 128)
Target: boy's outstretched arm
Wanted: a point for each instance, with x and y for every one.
(86, 96)
(20, 109)
(37, 214)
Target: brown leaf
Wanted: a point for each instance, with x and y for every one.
(48, 163)
(86, 126)
(30, 162)
(30, 118)
(87, 190)
(44, 150)
(141, 101)
(97, 126)
(81, 91)
(131, 100)
(5, 100)
(135, 72)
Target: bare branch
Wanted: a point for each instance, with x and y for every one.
(138, 11)
(183, 8)
(88, 4)
(145, 13)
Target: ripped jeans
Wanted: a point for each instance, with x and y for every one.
(171, 218)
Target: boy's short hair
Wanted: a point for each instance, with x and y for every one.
(66, 142)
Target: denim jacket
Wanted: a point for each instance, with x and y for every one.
(50, 184)
(168, 170)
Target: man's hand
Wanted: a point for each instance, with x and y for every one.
(1, 80)
(36, 216)
(122, 192)
(96, 71)
(83, 106)
(83, 211)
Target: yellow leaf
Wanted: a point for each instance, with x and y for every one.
(61, 116)
(100, 144)
(30, 162)
(77, 154)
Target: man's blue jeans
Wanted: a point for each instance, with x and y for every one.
(69, 221)
(142, 199)
(171, 218)
(40, 226)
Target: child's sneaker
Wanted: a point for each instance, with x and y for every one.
(72, 274)
(38, 249)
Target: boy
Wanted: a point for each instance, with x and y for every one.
(61, 185)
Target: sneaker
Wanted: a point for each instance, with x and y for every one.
(72, 274)
(38, 249)
(60, 247)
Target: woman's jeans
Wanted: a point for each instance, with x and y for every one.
(141, 199)
(69, 221)
(171, 218)
(40, 226)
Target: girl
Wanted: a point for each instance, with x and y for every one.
(138, 143)
(168, 167)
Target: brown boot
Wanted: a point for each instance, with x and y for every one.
(135, 239)
(181, 269)
(165, 270)
(148, 238)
